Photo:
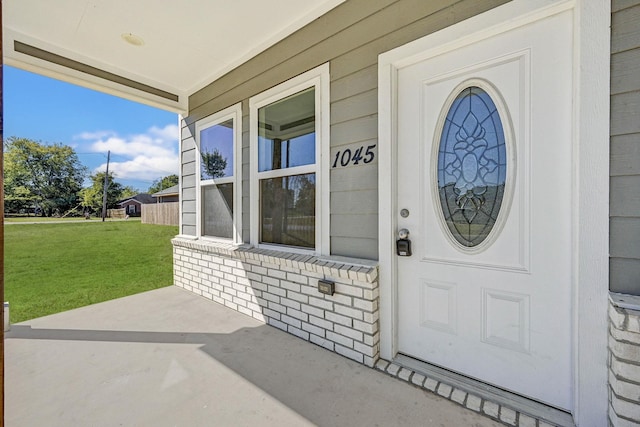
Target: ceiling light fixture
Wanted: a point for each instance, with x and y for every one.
(132, 39)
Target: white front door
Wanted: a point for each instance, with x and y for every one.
(484, 187)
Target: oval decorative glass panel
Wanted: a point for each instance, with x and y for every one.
(471, 166)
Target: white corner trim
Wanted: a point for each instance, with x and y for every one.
(387, 204)
(592, 59)
(180, 192)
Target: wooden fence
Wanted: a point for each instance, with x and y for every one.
(161, 213)
(115, 213)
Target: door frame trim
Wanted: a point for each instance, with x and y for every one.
(590, 176)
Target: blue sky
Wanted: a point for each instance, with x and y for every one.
(143, 140)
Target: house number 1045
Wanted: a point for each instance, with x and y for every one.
(346, 156)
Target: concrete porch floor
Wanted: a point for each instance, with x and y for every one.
(170, 358)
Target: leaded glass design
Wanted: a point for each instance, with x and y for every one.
(472, 166)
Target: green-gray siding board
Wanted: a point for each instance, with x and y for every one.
(617, 5)
(624, 71)
(625, 31)
(625, 155)
(624, 274)
(625, 196)
(625, 235)
(624, 113)
(624, 208)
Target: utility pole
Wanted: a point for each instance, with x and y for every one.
(106, 185)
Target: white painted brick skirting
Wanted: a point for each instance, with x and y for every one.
(281, 289)
(624, 366)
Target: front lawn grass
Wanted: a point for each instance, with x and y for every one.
(51, 268)
(48, 219)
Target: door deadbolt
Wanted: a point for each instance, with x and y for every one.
(403, 233)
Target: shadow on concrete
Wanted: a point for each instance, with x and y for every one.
(315, 385)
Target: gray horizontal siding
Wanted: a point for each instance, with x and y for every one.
(625, 196)
(357, 106)
(359, 82)
(188, 170)
(625, 31)
(189, 206)
(624, 112)
(625, 155)
(362, 129)
(189, 193)
(624, 275)
(350, 38)
(624, 72)
(625, 235)
(355, 178)
(624, 210)
(354, 202)
(618, 5)
(355, 225)
(357, 248)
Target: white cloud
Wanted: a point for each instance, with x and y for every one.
(94, 135)
(144, 157)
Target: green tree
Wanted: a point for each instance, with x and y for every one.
(163, 183)
(213, 163)
(47, 177)
(127, 192)
(92, 196)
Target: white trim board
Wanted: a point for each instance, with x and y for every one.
(590, 178)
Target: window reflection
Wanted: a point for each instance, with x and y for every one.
(287, 210)
(217, 210)
(286, 132)
(216, 151)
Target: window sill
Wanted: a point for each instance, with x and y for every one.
(350, 268)
(626, 301)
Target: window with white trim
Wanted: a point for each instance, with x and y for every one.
(289, 178)
(219, 164)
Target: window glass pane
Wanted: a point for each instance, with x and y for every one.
(217, 210)
(472, 166)
(287, 210)
(216, 151)
(286, 132)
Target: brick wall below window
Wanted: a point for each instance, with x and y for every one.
(281, 289)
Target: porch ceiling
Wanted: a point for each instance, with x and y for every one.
(184, 44)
